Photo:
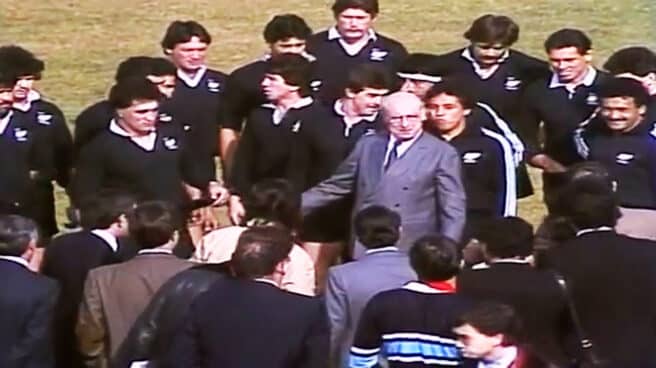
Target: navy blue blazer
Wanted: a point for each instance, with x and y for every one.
(27, 300)
(68, 259)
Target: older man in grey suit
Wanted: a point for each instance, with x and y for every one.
(351, 285)
(413, 173)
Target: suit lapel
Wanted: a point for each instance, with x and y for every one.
(410, 158)
(377, 158)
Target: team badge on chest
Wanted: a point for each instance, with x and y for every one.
(471, 157)
(20, 134)
(624, 158)
(170, 143)
(592, 99)
(377, 54)
(512, 84)
(213, 86)
(43, 118)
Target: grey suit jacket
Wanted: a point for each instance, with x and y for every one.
(424, 186)
(351, 285)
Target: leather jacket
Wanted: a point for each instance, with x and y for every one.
(152, 334)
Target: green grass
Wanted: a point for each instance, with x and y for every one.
(82, 41)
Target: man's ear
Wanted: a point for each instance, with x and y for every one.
(588, 56)
(175, 237)
(498, 339)
(422, 113)
(283, 266)
(31, 249)
(168, 51)
(349, 93)
(467, 112)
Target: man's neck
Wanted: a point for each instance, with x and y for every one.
(269, 280)
(348, 107)
(501, 354)
(448, 136)
(632, 127)
(190, 73)
(286, 102)
(353, 41)
(132, 133)
(579, 78)
(112, 230)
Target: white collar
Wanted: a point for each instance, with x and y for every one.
(333, 34)
(20, 260)
(391, 248)
(309, 57)
(420, 77)
(485, 266)
(192, 82)
(510, 260)
(155, 251)
(147, 142)
(590, 76)
(266, 281)
(594, 229)
(4, 122)
(32, 96)
(108, 237)
(402, 147)
(508, 357)
(279, 113)
(351, 49)
(339, 110)
(420, 287)
(480, 71)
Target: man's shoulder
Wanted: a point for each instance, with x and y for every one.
(318, 38)
(226, 290)
(215, 74)
(389, 42)
(48, 107)
(522, 59)
(431, 142)
(249, 71)
(509, 272)
(70, 244)
(94, 111)
(26, 280)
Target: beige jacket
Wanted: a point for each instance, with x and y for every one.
(218, 246)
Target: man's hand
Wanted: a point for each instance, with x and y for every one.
(546, 163)
(193, 192)
(236, 210)
(218, 193)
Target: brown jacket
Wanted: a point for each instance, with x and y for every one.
(114, 296)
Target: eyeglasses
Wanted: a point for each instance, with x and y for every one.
(400, 119)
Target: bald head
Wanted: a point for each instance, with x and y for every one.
(402, 112)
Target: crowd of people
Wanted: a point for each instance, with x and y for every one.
(371, 195)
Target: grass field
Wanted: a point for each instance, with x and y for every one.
(82, 41)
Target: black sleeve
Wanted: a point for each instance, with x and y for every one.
(89, 123)
(298, 165)
(240, 179)
(40, 157)
(35, 350)
(317, 340)
(62, 147)
(198, 155)
(197, 169)
(236, 104)
(530, 119)
(532, 69)
(89, 172)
